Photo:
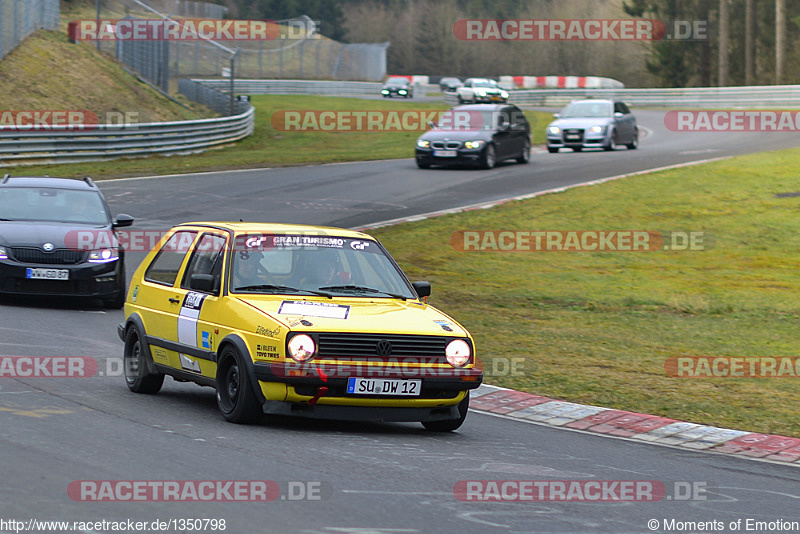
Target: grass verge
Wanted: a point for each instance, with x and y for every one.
(269, 147)
(597, 327)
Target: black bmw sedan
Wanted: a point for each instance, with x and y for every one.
(57, 239)
(476, 134)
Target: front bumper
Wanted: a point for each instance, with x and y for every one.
(321, 391)
(463, 156)
(582, 140)
(84, 280)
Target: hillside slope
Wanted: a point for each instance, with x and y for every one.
(47, 72)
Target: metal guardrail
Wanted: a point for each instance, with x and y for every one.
(307, 87)
(68, 144)
(761, 96)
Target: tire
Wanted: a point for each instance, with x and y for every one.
(489, 159)
(525, 157)
(134, 365)
(552, 150)
(116, 302)
(452, 424)
(235, 397)
(612, 141)
(460, 100)
(423, 165)
(635, 142)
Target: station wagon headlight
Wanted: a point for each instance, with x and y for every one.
(402, 91)
(302, 348)
(555, 130)
(597, 129)
(503, 94)
(458, 353)
(423, 143)
(385, 91)
(473, 144)
(3, 254)
(103, 255)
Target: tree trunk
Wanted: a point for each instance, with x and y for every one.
(749, 41)
(780, 39)
(724, 42)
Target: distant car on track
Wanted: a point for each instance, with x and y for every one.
(449, 84)
(477, 90)
(593, 123)
(476, 134)
(295, 320)
(398, 86)
(57, 239)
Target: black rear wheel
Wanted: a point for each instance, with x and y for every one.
(525, 156)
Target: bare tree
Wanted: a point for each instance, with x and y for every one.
(780, 39)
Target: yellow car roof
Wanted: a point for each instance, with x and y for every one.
(278, 228)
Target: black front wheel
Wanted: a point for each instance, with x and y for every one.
(452, 424)
(489, 159)
(525, 156)
(236, 399)
(134, 364)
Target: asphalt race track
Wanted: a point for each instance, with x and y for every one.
(362, 478)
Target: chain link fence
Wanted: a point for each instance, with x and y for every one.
(20, 18)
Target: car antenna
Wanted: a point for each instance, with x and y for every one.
(88, 181)
(241, 220)
(5, 178)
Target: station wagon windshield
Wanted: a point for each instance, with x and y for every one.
(52, 205)
(315, 265)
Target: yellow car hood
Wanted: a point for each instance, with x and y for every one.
(368, 315)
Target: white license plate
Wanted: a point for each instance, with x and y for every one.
(383, 386)
(47, 274)
(445, 153)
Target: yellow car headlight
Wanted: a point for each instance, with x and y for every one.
(302, 348)
(458, 353)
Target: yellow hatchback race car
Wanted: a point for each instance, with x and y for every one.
(295, 320)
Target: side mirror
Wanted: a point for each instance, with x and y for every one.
(202, 282)
(618, 115)
(122, 220)
(423, 289)
(556, 115)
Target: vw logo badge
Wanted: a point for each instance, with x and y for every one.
(384, 347)
(48, 247)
